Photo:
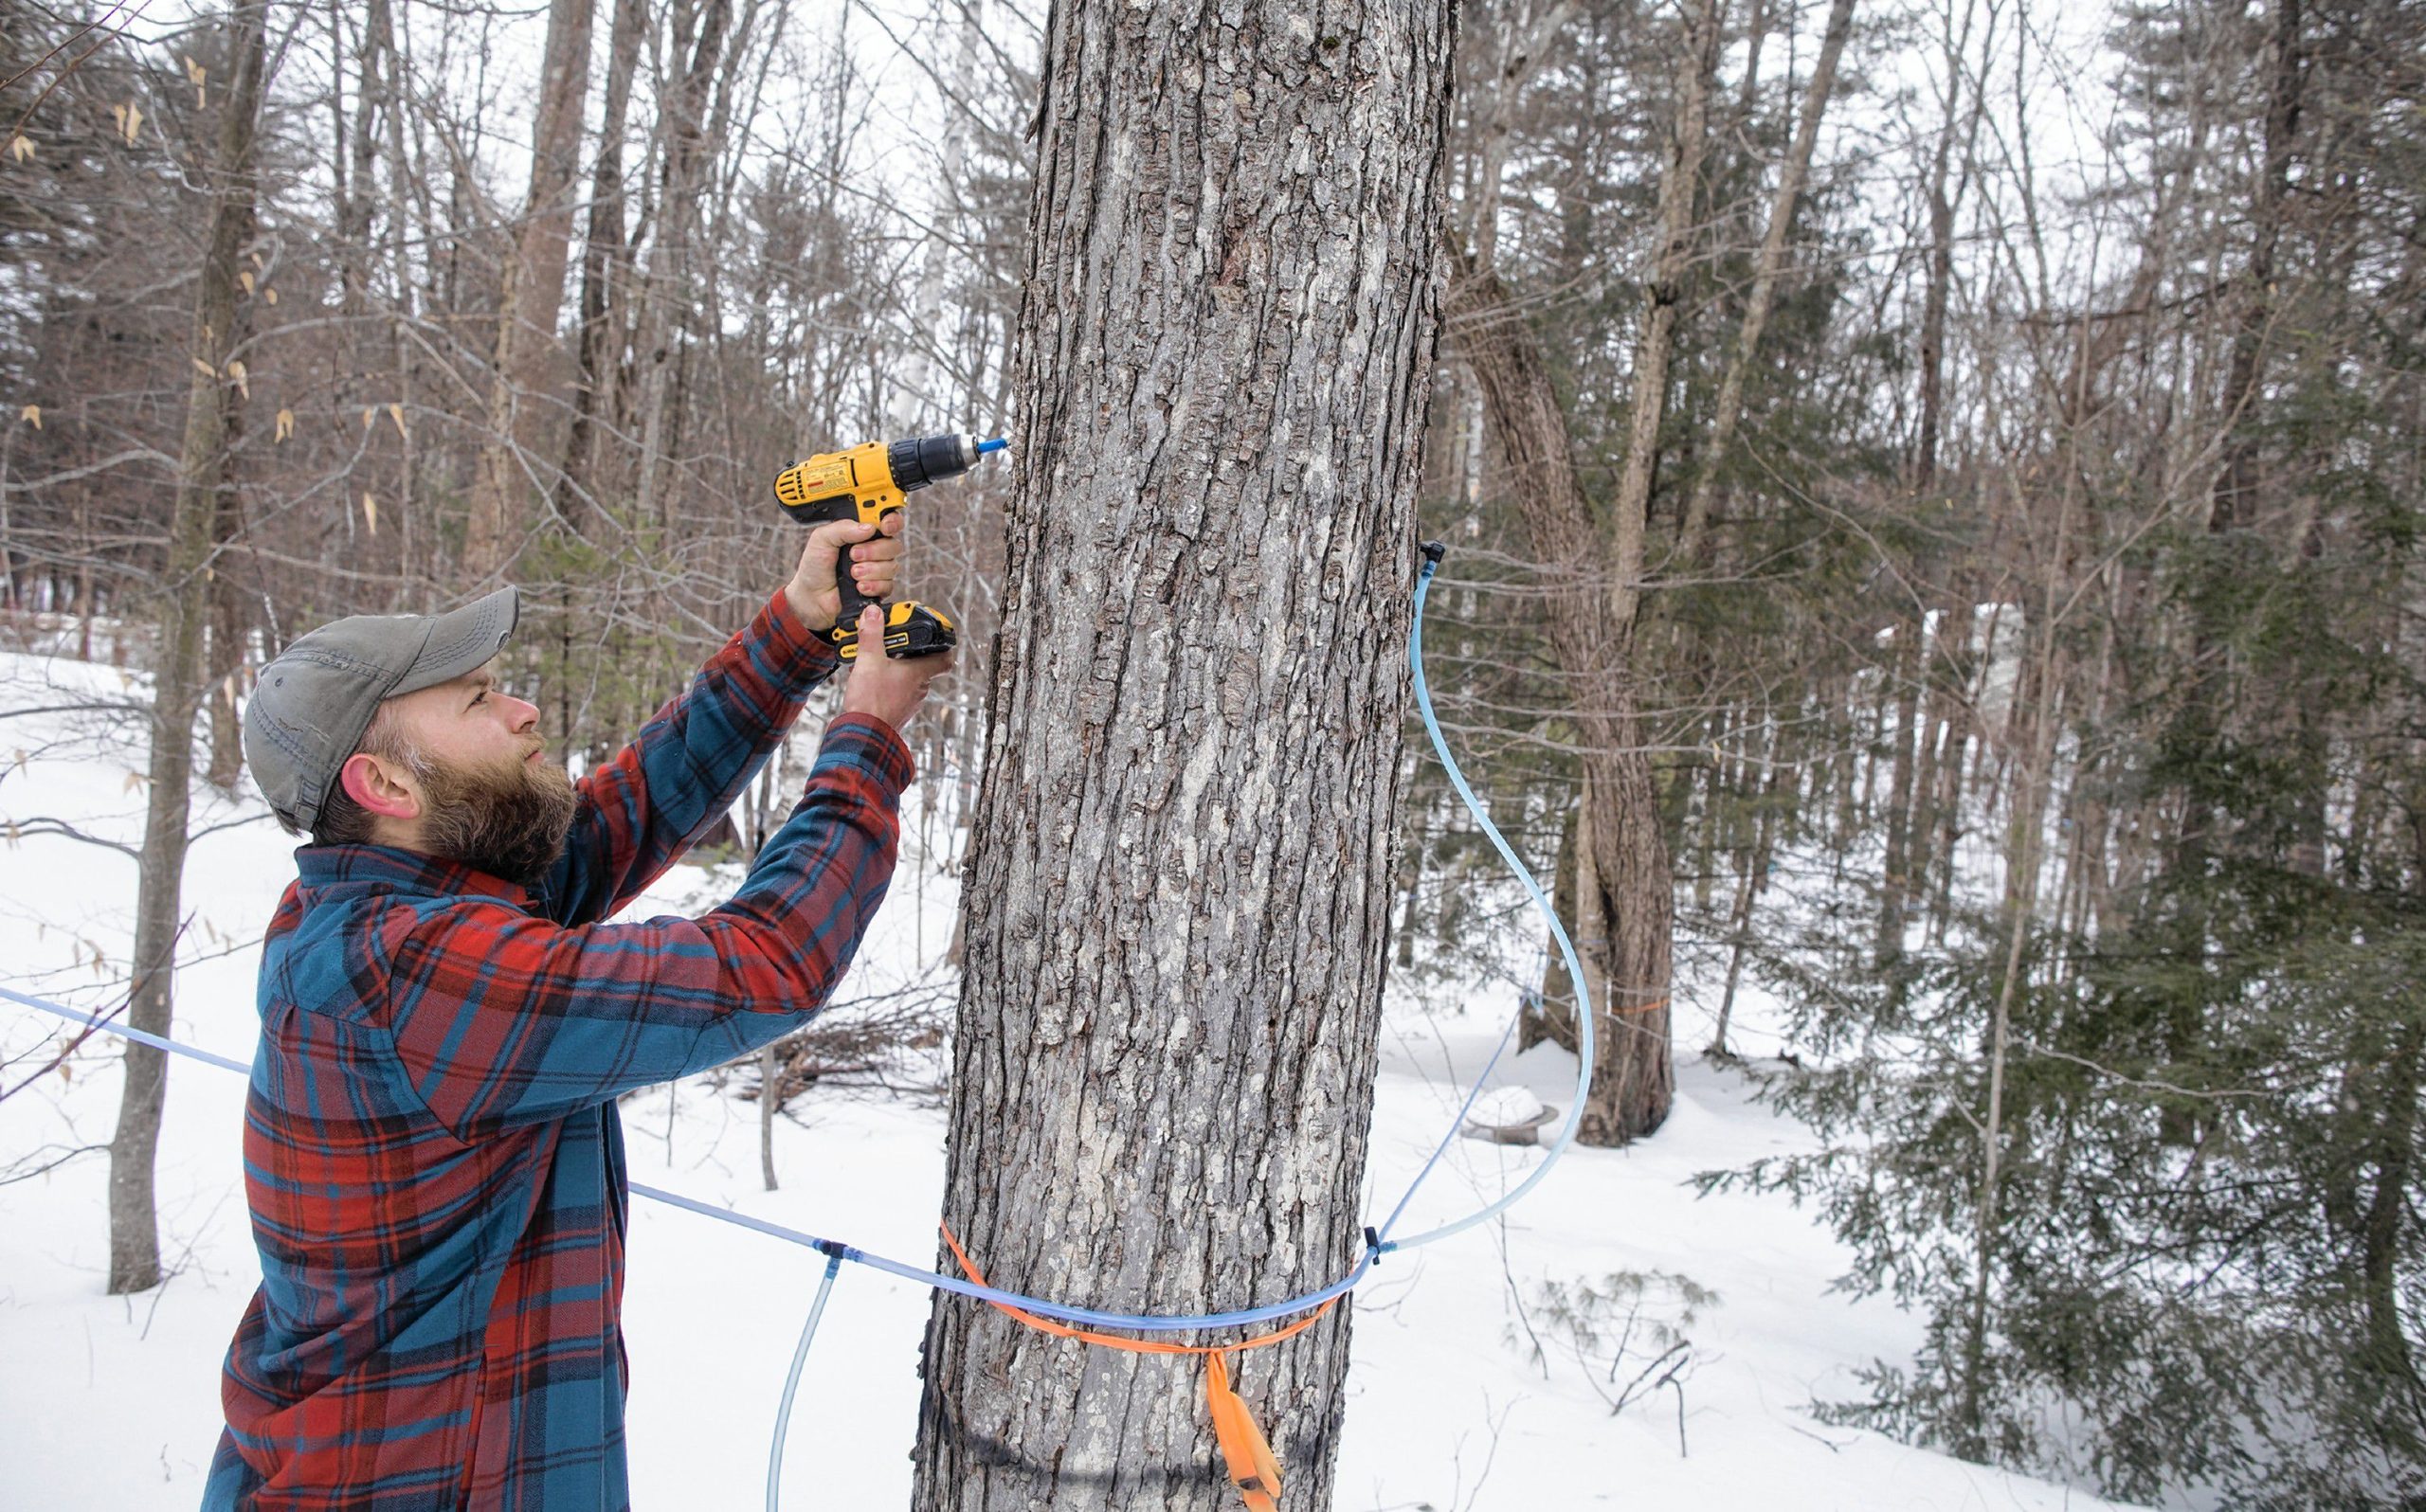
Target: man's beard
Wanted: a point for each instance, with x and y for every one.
(508, 822)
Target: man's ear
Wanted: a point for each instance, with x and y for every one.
(372, 783)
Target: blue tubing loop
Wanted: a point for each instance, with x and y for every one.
(1585, 1044)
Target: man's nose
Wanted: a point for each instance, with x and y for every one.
(521, 715)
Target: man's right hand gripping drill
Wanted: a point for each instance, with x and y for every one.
(889, 688)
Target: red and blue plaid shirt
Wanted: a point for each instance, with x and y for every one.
(431, 1151)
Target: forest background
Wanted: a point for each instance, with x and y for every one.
(1988, 434)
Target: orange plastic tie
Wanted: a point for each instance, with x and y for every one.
(1244, 1453)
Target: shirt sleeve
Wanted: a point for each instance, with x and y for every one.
(639, 813)
(501, 1020)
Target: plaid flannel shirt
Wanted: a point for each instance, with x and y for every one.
(431, 1151)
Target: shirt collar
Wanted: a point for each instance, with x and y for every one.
(340, 870)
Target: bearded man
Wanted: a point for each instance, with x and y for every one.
(431, 1152)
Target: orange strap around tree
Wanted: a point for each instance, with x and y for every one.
(1245, 1451)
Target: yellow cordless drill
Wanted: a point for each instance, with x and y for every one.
(868, 483)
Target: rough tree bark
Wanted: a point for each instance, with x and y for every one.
(135, 1235)
(1179, 879)
(531, 294)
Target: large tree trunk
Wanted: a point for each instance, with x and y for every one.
(531, 294)
(1635, 1080)
(1623, 899)
(135, 1238)
(1624, 893)
(1180, 867)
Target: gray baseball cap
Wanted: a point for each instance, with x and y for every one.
(314, 699)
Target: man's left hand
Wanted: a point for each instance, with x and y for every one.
(876, 561)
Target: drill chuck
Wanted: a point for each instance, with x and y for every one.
(929, 460)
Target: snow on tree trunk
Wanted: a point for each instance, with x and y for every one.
(1178, 896)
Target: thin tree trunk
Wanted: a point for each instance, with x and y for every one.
(1663, 293)
(1179, 874)
(1706, 833)
(2237, 481)
(1522, 47)
(1765, 281)
(2035, 726)
(1551, 1016)
(9, 595)
(531, 293)
(403, 234)
(1756, 40)
(912, 403)
(85, 581)
(667, 311)
(1906, 856)
(135, 1238)
(603, 261)
(2231, 504)
(2022, 892)
(1748, 897)
(1895, 878)
(230, 620)
(2384, 1245)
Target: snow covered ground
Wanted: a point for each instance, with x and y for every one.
(1484, 1366)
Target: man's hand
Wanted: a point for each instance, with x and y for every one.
(874, 565)
(889, 689)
